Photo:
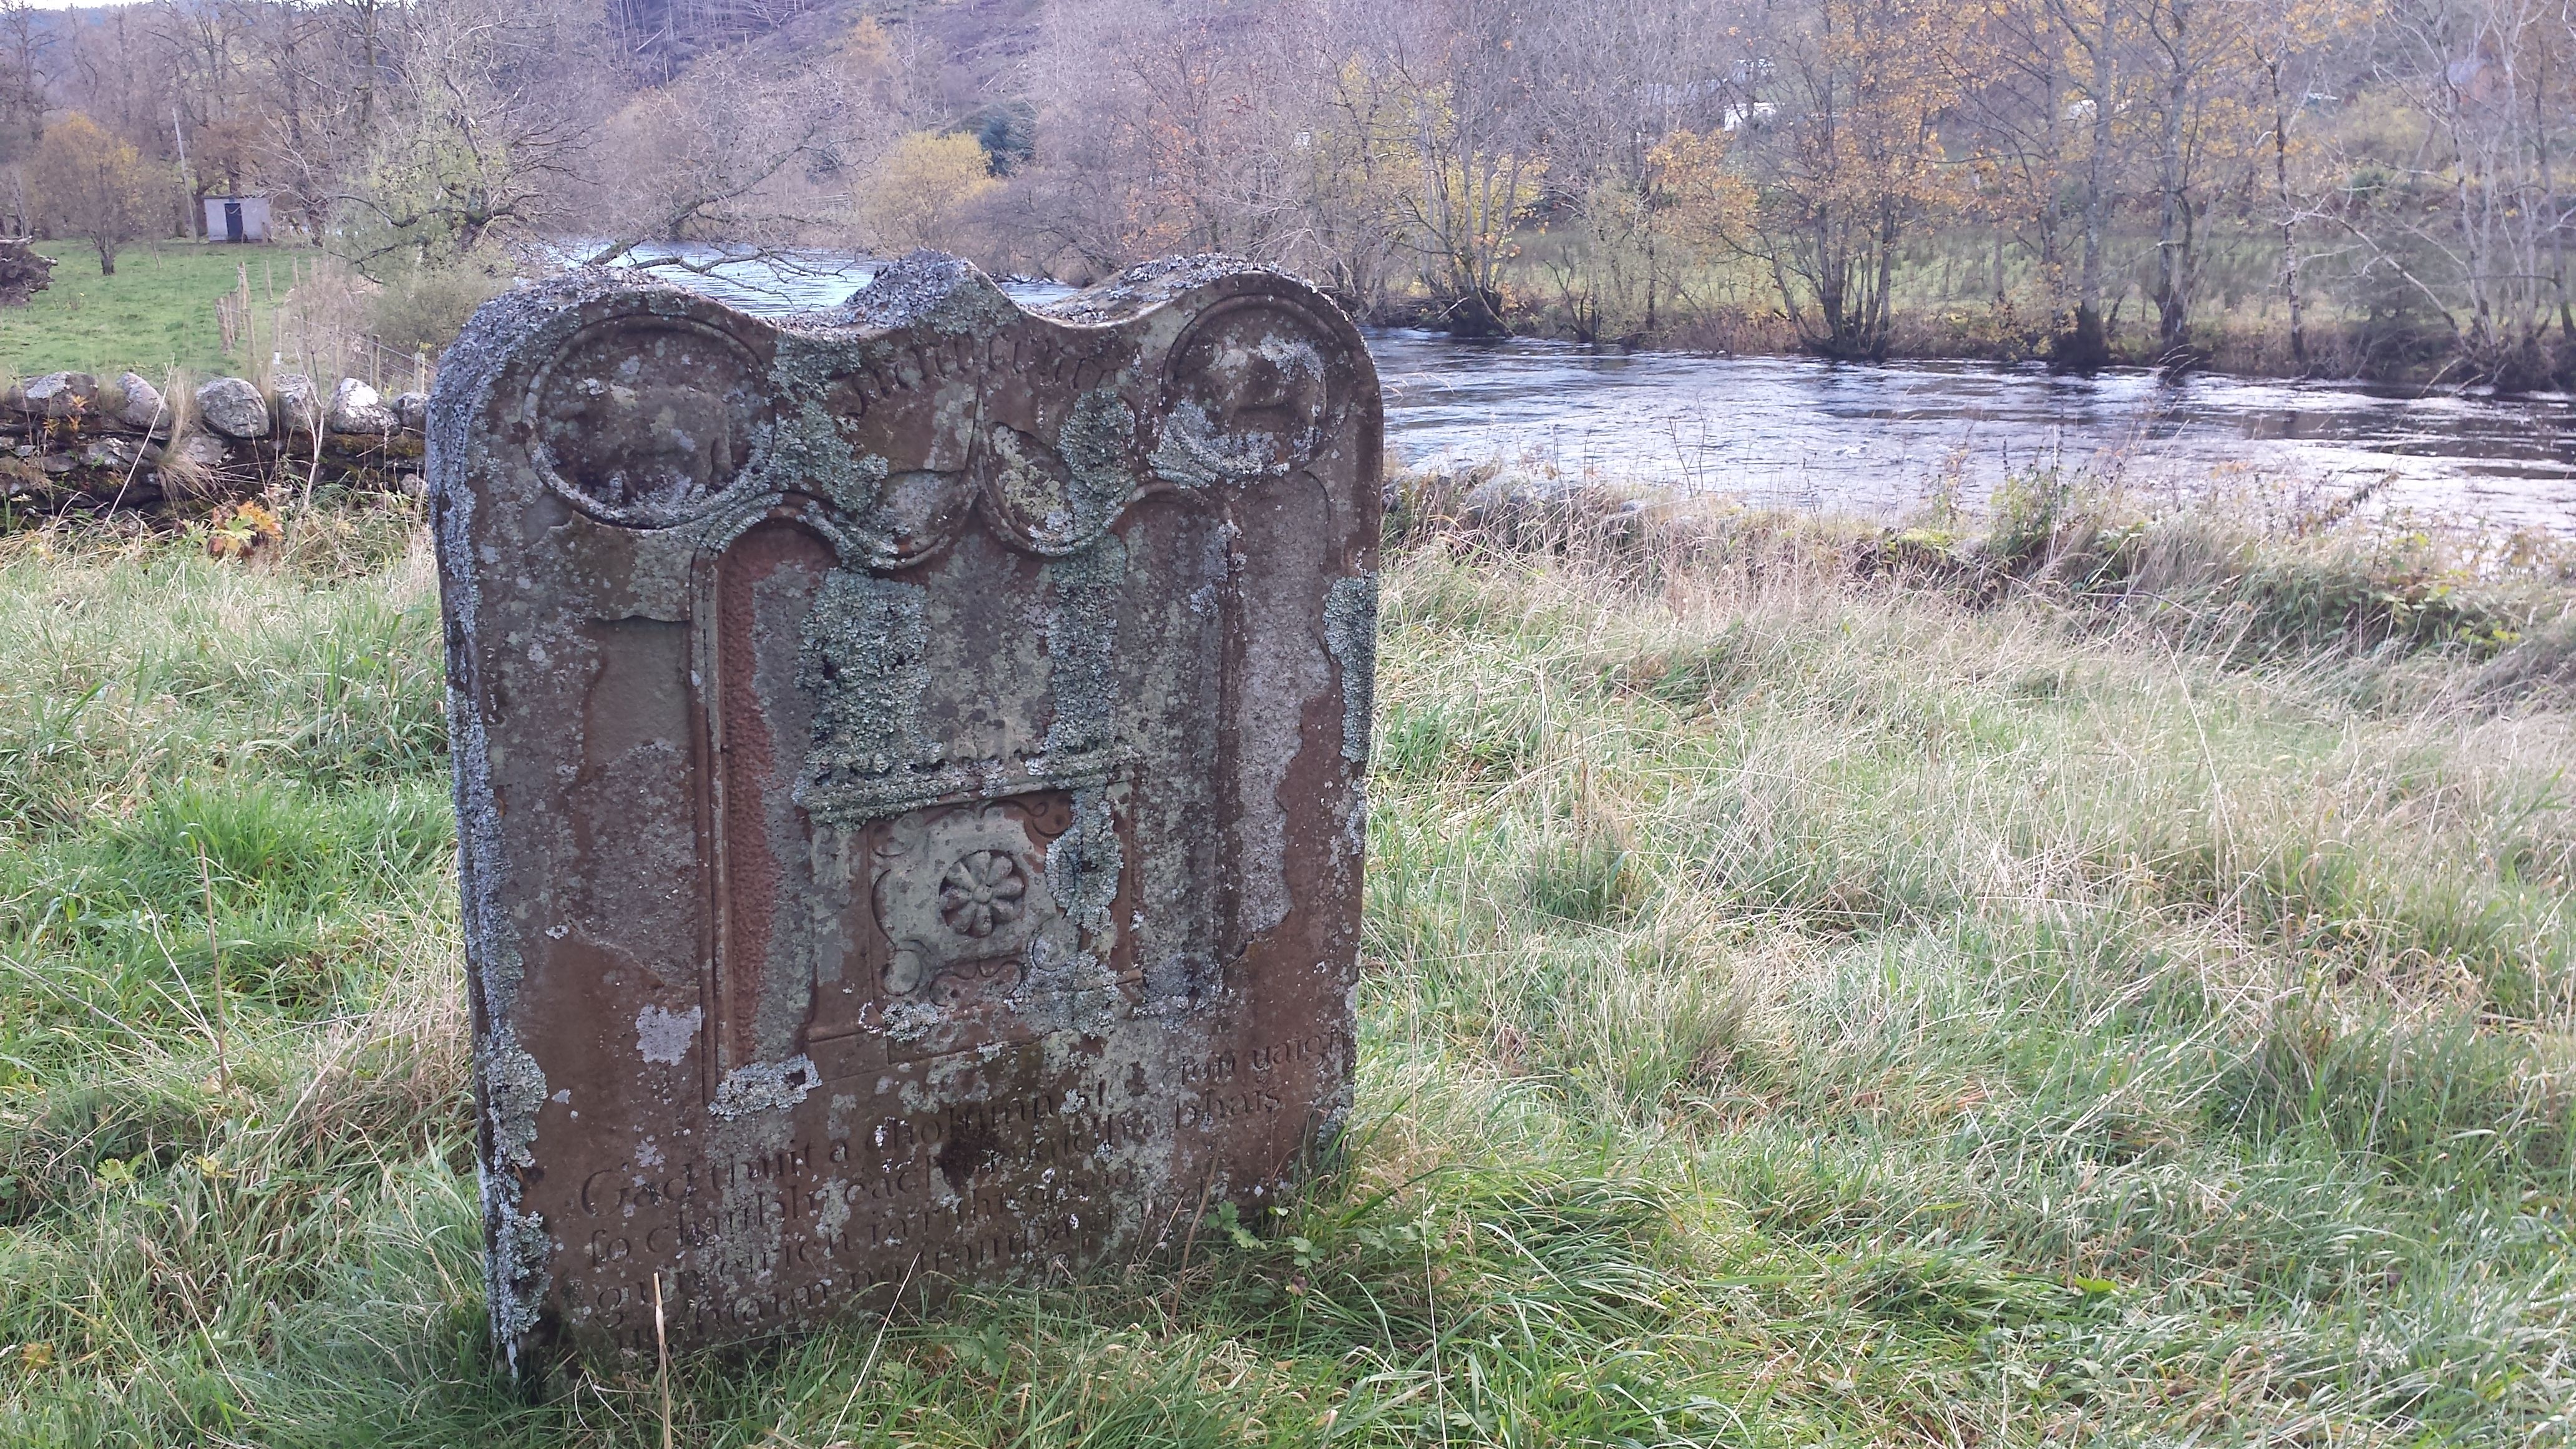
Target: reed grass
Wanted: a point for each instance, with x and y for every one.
(2074, 975)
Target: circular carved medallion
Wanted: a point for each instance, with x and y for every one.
(1248, 394)
(647, 421)
(1056, 496)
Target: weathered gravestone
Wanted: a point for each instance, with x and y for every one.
(909, 769)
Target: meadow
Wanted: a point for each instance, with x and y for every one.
(155, 316)
(2075, 975)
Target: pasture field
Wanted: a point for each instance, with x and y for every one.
(155, 316)
(2105, 979)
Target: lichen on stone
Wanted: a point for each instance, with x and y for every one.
(936, 291)
(764, 1087)
(1067, 990)
(865, 661)
(1196, 451)
(1094, 441)
(515, 1274)
(913, 1021)
(514, 1091)
(1350, 633)
(808, 454)
(1082, 646)
(663, 1036)
(1083, 866)
(1194, 455)
(1146, 284)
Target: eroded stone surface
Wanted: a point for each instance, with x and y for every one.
(61, 394)
(299, 405)
(232, 407)
(143, 406)
(909, 772)
(356, 408)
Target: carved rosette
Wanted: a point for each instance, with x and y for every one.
(964, 888)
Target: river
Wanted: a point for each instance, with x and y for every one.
(1880, 439)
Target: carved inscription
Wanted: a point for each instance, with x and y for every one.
(908, 769)
(874, 1195)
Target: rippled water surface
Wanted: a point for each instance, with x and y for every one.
(1809, 434)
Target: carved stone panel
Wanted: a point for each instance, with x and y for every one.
(909, 773)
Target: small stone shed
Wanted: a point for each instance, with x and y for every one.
(237, 218)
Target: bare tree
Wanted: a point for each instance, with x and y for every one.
(737, 153)
(1165, 125)
(2467, 216)
(1614, 82)
(1461, 77)
(2100, 38)
(26, 62)
(489, 133)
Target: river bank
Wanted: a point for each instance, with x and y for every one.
(1793, 431)
(2061, 978)
(1770, 431)
(2249, 343)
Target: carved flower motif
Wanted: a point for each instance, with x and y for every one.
(981, 892)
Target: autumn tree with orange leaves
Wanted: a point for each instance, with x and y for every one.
(1839, 118)
(90, 184)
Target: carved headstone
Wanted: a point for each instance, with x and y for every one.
(909, 771)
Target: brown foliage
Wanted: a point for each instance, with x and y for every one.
(89, 184)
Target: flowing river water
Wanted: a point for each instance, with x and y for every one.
(1799, 433)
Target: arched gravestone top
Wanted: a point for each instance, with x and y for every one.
(908, 764)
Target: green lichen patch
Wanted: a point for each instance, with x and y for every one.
(1083, 866)
(1064, 498)
(864, 658)
(764, 1087)
(1350, 633)
(1082, 644)
(1194, 454)
(808, 454)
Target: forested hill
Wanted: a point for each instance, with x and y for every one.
(975, 42)
(2307, 186)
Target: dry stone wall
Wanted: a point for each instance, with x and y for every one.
(69, 442)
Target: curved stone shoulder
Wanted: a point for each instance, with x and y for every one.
(929, 289)
(929, 395)
(1148, 285)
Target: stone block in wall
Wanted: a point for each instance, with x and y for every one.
(143, 406)
(61, 394)
(356, 408)
(234, 408)
(299, 407)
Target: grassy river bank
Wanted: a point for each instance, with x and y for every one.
(2103, 977)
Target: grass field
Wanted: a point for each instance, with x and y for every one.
(2110, 984)
(156, 314)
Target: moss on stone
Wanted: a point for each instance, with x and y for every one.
(1082, 646)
